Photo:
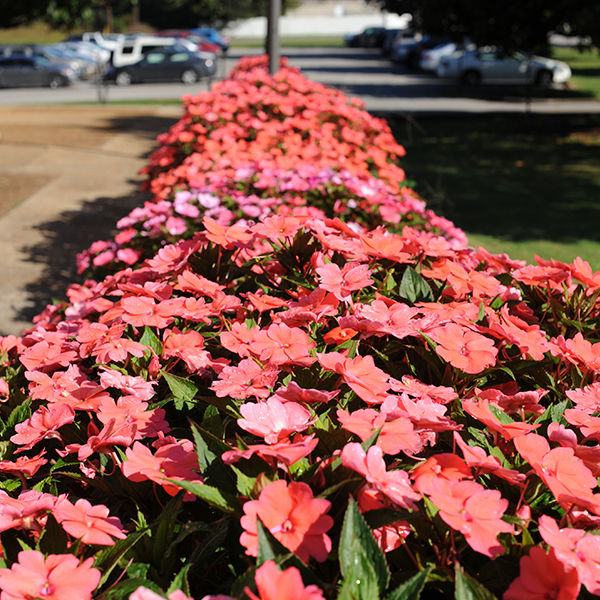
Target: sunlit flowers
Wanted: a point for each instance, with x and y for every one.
(57, 577)
(291, 513)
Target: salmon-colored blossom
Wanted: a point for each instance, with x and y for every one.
(576, 549)
(274, 420)
(273, 584)
(474, 511)
(293, 516)
(360, 373)
(90, 524)
(568, 478)
(57, 577)
(395, 485)
(464, 349)
(283, 345)
(543, 577)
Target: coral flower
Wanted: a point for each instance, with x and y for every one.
(293, 516)
(91, 524)
(282, 345)
(474, 511)
(464, 349)
(395, 485)
(273, 584)
(59, 577)
(543, 577)
(274, 420)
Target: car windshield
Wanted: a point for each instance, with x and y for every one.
(40, 60)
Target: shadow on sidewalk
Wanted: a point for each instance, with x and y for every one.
(64, 237)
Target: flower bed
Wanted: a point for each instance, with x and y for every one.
(294, 392)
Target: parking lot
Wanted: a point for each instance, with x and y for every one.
(364, 73)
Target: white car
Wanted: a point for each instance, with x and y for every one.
(492, 64)
(430, 59)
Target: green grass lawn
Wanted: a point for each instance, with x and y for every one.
(519, 184)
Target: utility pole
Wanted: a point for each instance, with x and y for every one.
(273, 49)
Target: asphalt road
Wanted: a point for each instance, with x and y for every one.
(383, 87)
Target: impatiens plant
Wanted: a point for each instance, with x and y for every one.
(313, 399)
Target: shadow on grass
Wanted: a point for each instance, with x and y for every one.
(70, 233)
(514, 177)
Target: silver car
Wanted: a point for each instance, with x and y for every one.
(492, 64)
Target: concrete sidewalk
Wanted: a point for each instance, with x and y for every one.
(67, 174)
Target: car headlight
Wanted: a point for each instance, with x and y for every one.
(69, 71)
(208, 63)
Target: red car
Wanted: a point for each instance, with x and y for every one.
(204, 44)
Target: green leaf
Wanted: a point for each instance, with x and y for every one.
(19, 414)
(411, 589)
(108, 559)
(149, 339)
(557, 412)
(53, 539)
(466, 588)
(360, 582)
(372, 440)
(180, 582)
(181, 388)
(501, 415)
(164, 532)
(414, 288)
(125, 588)
(209, 449)
(269, 547)
(385, 516)
(228, 503)
(357, 539)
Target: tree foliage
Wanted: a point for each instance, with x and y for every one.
(161, 14)
(514, 25)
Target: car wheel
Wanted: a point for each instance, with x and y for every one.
(544, 77)
(471, 77)
(123, 79)
(189, 76)
(55, 81)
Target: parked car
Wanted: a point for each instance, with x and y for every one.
(202, 42)
(371, 37)
(19, 70)
(430, 59)
(409, 51)
(172, 63)
(392, 36)
(493, 64)
(212, 35)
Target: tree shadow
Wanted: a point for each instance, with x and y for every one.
(64, 237)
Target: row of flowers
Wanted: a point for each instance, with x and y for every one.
(303, 385)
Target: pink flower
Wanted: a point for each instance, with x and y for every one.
(543, 577)
(395, 485)
(464, 349)
(89, 523)
(576, 549)
(293, 516)
(143, 593)
(283, 345)
(173, 460)
(58, 577)
(274, 420)
(341, 282)
(474, 511)
(43, 424)
(359, 373)
(273, 584)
